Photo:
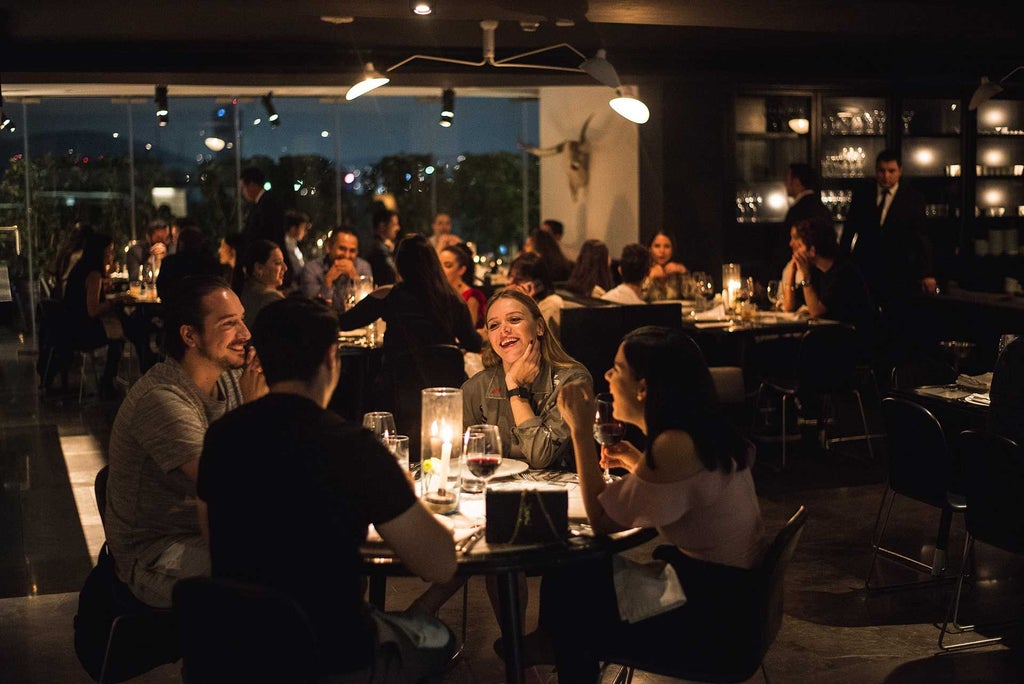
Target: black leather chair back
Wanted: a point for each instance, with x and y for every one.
(920, 460)
(773, 570)
(994, 489)
(591, 335)
(240, 632)
(436, 365)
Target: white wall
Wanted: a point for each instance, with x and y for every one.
(608, 209)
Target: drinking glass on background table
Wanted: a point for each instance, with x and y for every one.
(380, 423)
(774, 291)
(398, 445)
(607, 430)
(481, 451)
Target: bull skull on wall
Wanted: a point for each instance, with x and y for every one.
(575, 155)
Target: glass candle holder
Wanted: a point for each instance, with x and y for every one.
(732, 281)
(440, 448)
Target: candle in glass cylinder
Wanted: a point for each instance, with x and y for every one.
(441, 419)
(732, 282)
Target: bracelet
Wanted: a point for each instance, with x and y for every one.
(804, 283)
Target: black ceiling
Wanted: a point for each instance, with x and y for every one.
(785, 40)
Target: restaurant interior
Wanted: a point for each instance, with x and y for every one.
(734, 93)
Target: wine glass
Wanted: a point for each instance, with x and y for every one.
(398, 445)
(381, 424)
(773, 291)
(607, 430)
(481, 449)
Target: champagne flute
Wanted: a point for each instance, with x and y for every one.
(607, 430)
(481, 449)
(381, 424)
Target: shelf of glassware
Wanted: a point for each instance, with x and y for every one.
(853, 133)
(763, 202)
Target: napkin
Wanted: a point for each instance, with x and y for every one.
(975, 383)
(977, 399)
(716, 313)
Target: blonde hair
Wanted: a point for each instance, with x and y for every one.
(551, 349)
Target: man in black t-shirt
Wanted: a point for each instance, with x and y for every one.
(290, 490)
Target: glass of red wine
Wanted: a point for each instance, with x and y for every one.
(607, 430)
(481, 450)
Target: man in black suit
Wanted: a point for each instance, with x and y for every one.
(802, 189)
(382, 248)
(265, 220)
(885, 235)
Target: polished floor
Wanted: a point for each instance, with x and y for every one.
(833, 631)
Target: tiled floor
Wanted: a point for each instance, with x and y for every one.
(833, 630)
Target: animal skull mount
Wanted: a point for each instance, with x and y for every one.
(575, 155)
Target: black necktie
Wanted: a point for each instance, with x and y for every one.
(881, 204)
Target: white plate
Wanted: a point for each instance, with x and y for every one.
(509, 467)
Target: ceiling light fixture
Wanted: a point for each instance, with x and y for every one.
(372, 79)
(160, 98)
(986, 90)
(598, 67)
(447, 108)
(268, 104)
(421, 7)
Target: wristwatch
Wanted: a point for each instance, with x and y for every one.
(521, 392)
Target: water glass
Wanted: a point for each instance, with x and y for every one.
(774, 290)
(381, 424)
(398, 445)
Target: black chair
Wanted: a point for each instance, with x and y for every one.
(921, 468)
(409, 372)
(234, 631)
(921, 371)
(747, 657)
(993, 483)
(117, 636)
(826, 367)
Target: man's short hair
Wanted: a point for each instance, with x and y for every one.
(252, 175)
(805, 174)
(155, 225)
(183, 305)
(382, 217)
(634, 263)
(291, 337)
(556, 226)
(888, 156)
(293, 218)
(819, 234)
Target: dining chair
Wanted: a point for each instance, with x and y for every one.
(826, 364)
(232, 631)
(117, 636)
(412, 370)
(993, 482)
(920, 468)
(747, 657)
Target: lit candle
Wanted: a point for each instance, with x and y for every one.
(731, 288)
(446, 456)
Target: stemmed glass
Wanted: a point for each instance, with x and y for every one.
(381, 424)
(607, 430)
(773, 291)
(481, 448)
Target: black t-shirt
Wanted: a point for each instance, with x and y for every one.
(844, 293)
(291, 489)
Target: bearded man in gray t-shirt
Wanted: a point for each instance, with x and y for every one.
(152, 519)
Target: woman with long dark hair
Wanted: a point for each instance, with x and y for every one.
(546, 246)
(264, 268)
(692, 483)
(664, 280)
(420, 309)
(85, 304)
(457, 263)
(592, 274)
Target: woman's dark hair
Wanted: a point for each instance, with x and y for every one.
(93, 249)
(417, 263)
(545, 244)
(681, 396)
(591, 269)
(530, 268)
(257, 253)
(190, 240)
(234, 241)
(464, 256)
(183, 305)
(818, 234)
(663, 234)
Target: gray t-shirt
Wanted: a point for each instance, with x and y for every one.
(159, 427)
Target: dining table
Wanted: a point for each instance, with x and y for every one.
(476, 556)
